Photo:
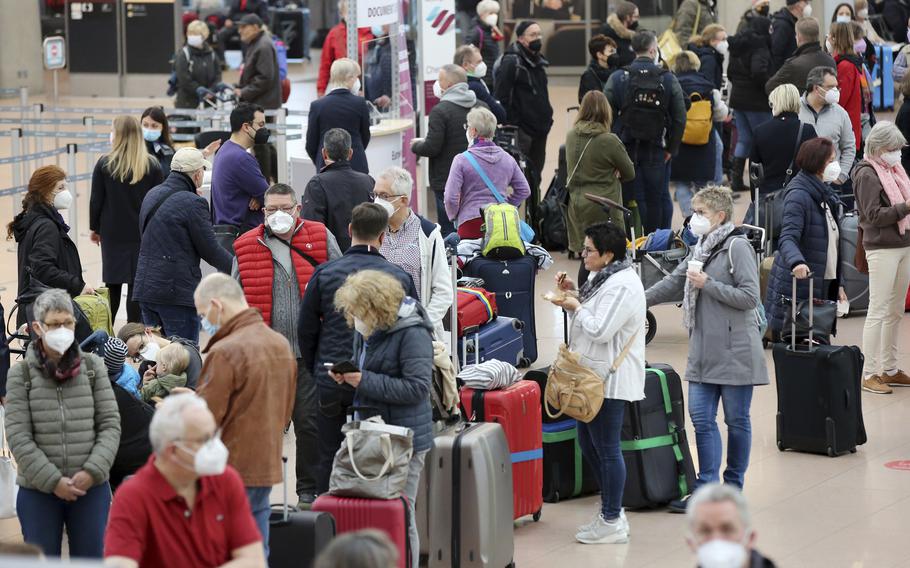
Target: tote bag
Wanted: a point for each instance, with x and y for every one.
(8, 488)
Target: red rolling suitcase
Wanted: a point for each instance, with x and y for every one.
(476, 307)
(353, 514)
(517, 408)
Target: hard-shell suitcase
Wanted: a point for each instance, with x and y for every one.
(297, 537)
(855, 283)
(501, 339)
(566, 473)
(471, 498)
(391, 516)
(476, 307)
(659, 465)
(513, 282)
(517, 408)
(819, 394)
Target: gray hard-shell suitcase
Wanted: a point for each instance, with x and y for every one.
(470, 498)
(855, 283)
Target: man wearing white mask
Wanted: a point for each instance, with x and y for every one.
(469, 58)
(819, 107)
(445, 137)
(274, 264)
(415, 244)
(248, 380)
(720, 529)
(160, 513)
(783, 30)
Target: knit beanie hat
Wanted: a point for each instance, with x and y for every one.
(115, 352)
(523, 26)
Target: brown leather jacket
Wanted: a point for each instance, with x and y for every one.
(249, 379)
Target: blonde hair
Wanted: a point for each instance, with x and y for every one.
(198, 27)
(784, 98)
(686, 61)
(342, 71)
(371, 295)
(128, 161)
(841, 36)
(175, 357)
(708, 34)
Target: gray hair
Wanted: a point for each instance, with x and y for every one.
(643, 41)
(169, 421)
(53, 300)
(487, 7)
(884, 137)
(400, 180)
(337, 144)
(816, 77)
(483, 121)
(716, 198)
(219, 286)
(784, 98)
(454, 73)
(719, 493)
(281, 189)
(463, 53)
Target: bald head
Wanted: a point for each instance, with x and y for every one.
(451, 74)
(222, 288)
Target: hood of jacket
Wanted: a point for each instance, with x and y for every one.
(588, 128)
(410, 314)
(24, 220)
(460, 94)
(488, 153)
(617, 26)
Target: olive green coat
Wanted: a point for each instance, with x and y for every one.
(604, 157)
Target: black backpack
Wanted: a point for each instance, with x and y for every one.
(644, 111)
(551, 227)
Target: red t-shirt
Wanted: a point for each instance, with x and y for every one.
(151, 524)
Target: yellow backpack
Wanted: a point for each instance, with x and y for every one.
(698, 121)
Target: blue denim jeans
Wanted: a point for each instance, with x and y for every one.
(43, 516)
(684, 192)
(259, 504)
(650, 190)
(599, 441)
(737, 400)
(718, 158)
(444, 223)
(746, 122)
(181, 321)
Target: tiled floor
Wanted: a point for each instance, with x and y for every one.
(808, 510)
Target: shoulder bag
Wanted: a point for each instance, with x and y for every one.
(373, 460)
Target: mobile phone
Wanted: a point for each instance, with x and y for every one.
(344, 367)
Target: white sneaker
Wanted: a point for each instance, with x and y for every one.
(593, 522)
(604, 533)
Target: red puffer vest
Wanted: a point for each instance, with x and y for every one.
(257, 271)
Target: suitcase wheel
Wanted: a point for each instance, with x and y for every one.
(831, 453)
(524, 363)
(853, 451)
(780, 446)
(650, 327)
(537, 515)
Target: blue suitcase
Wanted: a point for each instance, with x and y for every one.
(500, 339)
(883, 78)
(513, 283)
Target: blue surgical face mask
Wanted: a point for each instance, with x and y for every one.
(377, 31)
(209, 327)
(150, 134)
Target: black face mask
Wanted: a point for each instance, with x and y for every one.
(262, 136)
(764, 10)
(535, 46)
(633, 26)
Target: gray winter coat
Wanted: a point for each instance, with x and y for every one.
(725, 345)
(397, 371)
(57, 429)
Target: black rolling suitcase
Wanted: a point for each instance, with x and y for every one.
(297, 537)
(659, 465)
(819, 394)
(566, 473)
(513, 282)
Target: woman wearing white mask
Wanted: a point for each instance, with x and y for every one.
(198, 68)
(63, 429)
(143, 344)
(712, 48)
(484, 33)
(120, 182)
(720, 311)
(809, 242)
(883, 200)
(46, 254)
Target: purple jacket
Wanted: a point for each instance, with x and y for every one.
(466, 193)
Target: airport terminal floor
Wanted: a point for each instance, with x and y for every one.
(808, 510)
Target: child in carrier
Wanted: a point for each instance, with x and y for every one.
(115, 352)
(168, 372)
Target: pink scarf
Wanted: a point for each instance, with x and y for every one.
(896, 184)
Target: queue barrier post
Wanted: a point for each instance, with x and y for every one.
(71, 150)
(281, 119)
(18, 168)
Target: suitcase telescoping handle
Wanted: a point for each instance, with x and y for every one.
(793, 303)
(284, 487)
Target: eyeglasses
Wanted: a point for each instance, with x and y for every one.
(588, 250)
(69, 324)
(384, 196)
(289, 209)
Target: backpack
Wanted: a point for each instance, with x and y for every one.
(172, 79)
(501, 232)
(551, 217)
(661, 240)
(698, 121)
(644, 111)
(97, 310)
(761, 318)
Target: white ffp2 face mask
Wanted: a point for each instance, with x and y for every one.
(699, 225)
(211, 458)
(280, 222)
(892, 158)
(832, 172)
(490, 19)
(437, 90)
(719, 553)
(63, 200)
(361, 327)
(832, 96)
(807, 11)
(355, 88)
(59, 340)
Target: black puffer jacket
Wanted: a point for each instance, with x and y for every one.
(134, 449)
(750, 66)
(783, 37)
(195, 68)
(712, 64)
(521, 87)
(322, 331)
(46, 250)
(173, 240)
(594, 78)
